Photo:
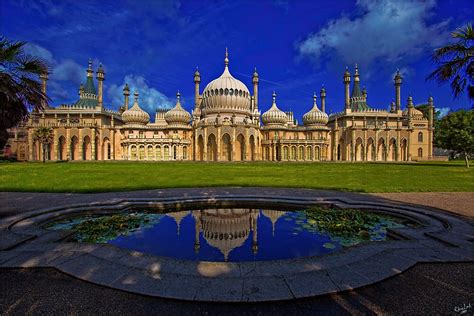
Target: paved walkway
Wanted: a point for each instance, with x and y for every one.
(461, 203)
(432, 245)
(16, 202)
(426, 289)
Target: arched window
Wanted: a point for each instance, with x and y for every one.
(420, 137)
(185, 153)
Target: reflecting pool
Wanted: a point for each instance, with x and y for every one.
(233, 234)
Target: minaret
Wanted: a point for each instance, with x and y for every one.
(197, 81)
(44, 79)
(126, 94)
(100, 79)
(81, 89)
(430, 126)
(398, 82)
(90, 72)
(255, 88)
(347, 81)
(392, 107)
(410, 110)
(322, 93)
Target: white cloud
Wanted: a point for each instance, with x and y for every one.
(65, 70)
(443, 111)
(149, 98)
(385, 30)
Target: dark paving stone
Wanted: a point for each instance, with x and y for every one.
(435, 288)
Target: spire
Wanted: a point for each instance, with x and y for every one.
(178, 97)
(135, 97)
(89, 69)
(226, 60)
(356, 87)
(274, 97)
(314, 100)
(356, 73)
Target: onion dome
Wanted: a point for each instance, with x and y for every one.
(226, 94)
(315, 116)
(411, 111)
(178, 115)
(274, 115)
(135, 115)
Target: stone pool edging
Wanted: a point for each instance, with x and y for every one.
(24, 243)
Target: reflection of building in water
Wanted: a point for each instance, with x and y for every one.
(178, 217)
(273, 216)
(227, 229)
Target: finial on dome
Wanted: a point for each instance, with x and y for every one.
(136, 96)
(126, 88)
(314, 98)
(226, 60)
(255, 73)
(274, 97)
(90, 63)
(178, 96)
(410, 101)
(356, 70)
(196, 73)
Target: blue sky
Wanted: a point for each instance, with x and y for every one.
(297, 46)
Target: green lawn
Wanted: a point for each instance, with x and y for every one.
(123, 176)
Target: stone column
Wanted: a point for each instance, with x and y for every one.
(54, 154)
(30, 144)
(397, 146)
(112, 144)
(247, 145)
(93, 149)
(68, 143)
(204, 156)
(232, 156)
(364, 153)
(352, 143)
(80, 144)
(218, 143)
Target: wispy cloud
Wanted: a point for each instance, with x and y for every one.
(443, 111)
(386, 30)
(64, 70)
(149, 98)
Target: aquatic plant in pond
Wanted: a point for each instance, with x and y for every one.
(101, 229)
(345, 226)
(233, 234)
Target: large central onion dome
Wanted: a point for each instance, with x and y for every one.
(274, 116)
(315, 116)
(177, 115)
(135, 115)
(226, 94)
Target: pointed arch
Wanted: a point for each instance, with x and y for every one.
(200, 148)
(252, 147)
(240, 148)
(226, 149)
(211, 148)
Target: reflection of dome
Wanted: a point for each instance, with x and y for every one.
(178, 217)
(315, 116)
(274, 116)
(227, 229)
(135, 115)
(178, 115)
(273, 216)
(226, 94)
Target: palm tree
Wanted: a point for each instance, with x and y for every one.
(456, 62)
(20, 89)
(44, 136)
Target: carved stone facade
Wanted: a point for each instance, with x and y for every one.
(226, 125)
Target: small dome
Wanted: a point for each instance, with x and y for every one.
(135, 115)
(315, 116)
(274, 115)
(415, 113)
(178, 115)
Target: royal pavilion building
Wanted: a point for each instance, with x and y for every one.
(227, 124)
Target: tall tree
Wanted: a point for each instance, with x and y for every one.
(456, 132)
(44, 136)
(20, 89)
(456, 62)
